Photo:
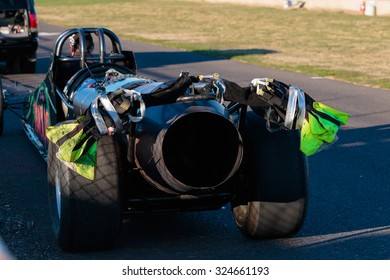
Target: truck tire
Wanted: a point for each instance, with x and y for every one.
(86, 214)
(272, 195)
(27, 64)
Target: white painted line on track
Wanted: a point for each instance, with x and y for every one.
(47, 34)
(317, 78)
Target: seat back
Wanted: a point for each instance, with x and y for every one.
(63, 70)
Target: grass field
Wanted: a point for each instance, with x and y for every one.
(338, 45)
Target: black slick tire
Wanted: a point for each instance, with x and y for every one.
(86, 214)
(272, 195)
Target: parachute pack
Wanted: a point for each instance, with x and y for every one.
(288, 107)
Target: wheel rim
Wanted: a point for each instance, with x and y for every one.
(58, 194)
(240, 214)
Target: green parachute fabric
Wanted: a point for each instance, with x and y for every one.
(77, 146)
(320, 127)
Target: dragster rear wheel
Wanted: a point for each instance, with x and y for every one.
(272, 195)
(86, 214)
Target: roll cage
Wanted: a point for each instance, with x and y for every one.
(64, 66)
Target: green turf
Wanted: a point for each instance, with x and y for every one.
(343, 46)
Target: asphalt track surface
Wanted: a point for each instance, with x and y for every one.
(348, 214)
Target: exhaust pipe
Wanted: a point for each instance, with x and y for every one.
(187, 147)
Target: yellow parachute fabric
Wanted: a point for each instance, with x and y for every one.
(317, 131)
(78, 152)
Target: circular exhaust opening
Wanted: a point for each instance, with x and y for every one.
(202, 149)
